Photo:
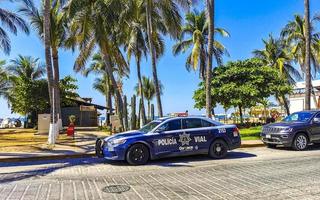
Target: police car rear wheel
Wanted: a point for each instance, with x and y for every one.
(218, 149)
(138, 154)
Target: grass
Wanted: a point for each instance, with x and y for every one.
(252, 133)
(13, 140)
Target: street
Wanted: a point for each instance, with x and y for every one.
(252, 173)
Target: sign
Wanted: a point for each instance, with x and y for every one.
(87, 108)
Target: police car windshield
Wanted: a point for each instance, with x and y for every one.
(299, 117)
(147, 128)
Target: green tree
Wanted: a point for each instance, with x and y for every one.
(12, 22)
(149, 91)
(196, 27)
(242, 84)
(275, 54)
(4, 81)
(168, 12)
(68, 90)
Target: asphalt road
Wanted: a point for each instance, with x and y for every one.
(255, 173)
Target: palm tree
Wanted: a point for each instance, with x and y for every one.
(13, 22)
(294, 33)
(149, 91)
(103, 83)
(196, 28)
(136, 43)
(26, 67)
(57, 39)
(307, 54)
(275, 54)
(210, 17)
(4, 81)
(96, 24)
(168, 12)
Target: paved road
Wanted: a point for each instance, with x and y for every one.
(255, 173)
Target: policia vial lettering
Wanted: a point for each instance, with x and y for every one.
(184, 140)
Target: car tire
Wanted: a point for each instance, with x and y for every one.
(218, 149)
(300, 142)
(99, 148)
(137, 154)
(271, 146)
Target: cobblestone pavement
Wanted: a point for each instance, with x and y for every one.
(261, 174)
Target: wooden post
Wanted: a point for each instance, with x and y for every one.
(152, 112)
(133, 113)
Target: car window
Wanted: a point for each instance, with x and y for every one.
(192, 123)
(170, 126)
(205, 123)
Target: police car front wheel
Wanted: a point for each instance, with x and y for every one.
(137, 154)
(218, 149)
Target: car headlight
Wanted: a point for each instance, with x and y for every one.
(286, 130)
(117, 142)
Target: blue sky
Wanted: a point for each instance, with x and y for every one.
(248, 22)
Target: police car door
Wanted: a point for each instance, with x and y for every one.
(195, 137)
(166, 140)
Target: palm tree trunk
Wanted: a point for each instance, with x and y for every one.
(143, 112)
(307, 54)
(47, 44)
(149, 110)
(108, 70)
(56, 77)
(109, 109)
(241, 114)
(285, 103)
(153, 56)
(210, 11)
(202, 63)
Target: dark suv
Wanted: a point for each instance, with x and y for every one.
(297, 131)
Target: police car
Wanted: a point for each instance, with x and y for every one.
(168, 137)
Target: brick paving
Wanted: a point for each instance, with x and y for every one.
(255, 173)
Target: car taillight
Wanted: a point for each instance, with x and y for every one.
(235, 132)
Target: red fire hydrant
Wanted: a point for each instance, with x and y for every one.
(70, 130)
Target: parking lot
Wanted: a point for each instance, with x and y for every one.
(261, 174)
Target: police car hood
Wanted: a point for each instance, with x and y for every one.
(128, 134)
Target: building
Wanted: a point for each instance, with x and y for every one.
(296, 100)
(85, 111)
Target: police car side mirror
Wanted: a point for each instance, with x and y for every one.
(316, 120)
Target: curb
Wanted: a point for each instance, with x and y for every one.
(49, 157)
(83, 155)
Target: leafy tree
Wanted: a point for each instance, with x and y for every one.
(68, 89)
(196, 27)
(275, 54)
(242, 84)
(13, 22)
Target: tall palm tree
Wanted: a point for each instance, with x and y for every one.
(307, 54)
(136, 43)
(149, 91)
(26, 67)
(210, 17)
(13, 22)
(196, 27)
(294, 33)
(276, 55)
(96, 24)
(57, 39)
(103, 83)
(169, 14)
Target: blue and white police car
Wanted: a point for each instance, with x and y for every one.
(168, 137)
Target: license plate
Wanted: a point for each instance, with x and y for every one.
(268, 136)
